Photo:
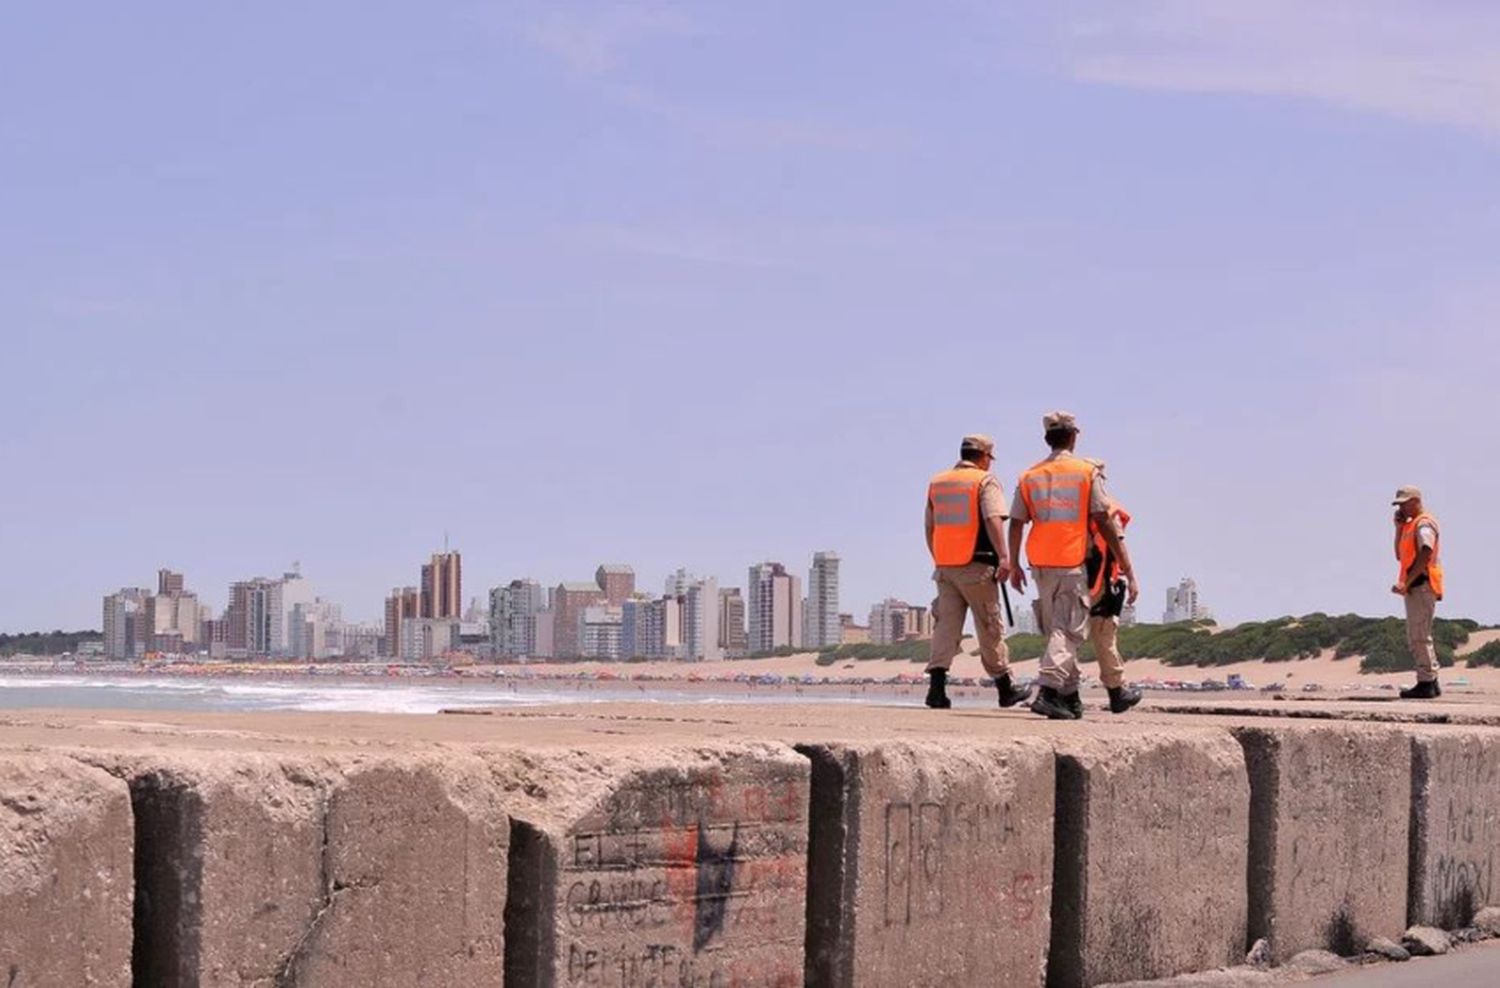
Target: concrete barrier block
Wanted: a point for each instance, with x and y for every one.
(260, 870)
(1150, 875)
(930, 864)
(1455, 826)
(66, 850)
(1329, 835)
(681, 866)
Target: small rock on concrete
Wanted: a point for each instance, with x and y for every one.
(1425, 941)
(1487, 920)
(1260, 954)
(1316, 962)
(1387, 948)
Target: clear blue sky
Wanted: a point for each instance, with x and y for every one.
(708, 284)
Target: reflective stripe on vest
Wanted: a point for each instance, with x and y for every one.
(1408, 553)
(954, 496)
(1056, 493)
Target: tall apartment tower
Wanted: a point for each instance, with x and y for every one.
(404, 604)
(732, 639)
(700, 621)
(569, 601)
(774, 610)
(124, 623)
(617, 581)
(513, 611)
(168, 582)
(256, 617)
(823, 601)
(443, 586)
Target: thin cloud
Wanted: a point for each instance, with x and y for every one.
(1420, 60)
(594, 40)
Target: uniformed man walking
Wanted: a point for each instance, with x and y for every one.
(1059, 498)
(1420, 583)
(1107, 590)
(964, 521)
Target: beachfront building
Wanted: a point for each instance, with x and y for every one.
(124, 623)
(404, 604)
(1183, 604)
(677, 583)
(569, 601)
(652, 629)
(600, 636)
(733, 641)
(616, 581)
(851, 633)
(774, 611)
(426, 639)
(893, 621)
(443, 586)
(700, 621)
(513, 611)
(315, 630)
(823, 601)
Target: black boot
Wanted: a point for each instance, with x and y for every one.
(937, 690)
(1050, 705)
(1122, 698)
(1424, 690)
(1074, 703)
(1009, 695)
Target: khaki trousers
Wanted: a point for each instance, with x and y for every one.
(960, 590)
(1421, 606)
(1104, 632)
(1063, 606)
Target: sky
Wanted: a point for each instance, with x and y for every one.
(708, 284)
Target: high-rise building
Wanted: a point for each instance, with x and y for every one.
(893, 621)
(124, 623)
(616, 581)
(168, 582)
(1183, 604)
(676, 584)
(823, 601)
(425, 639)
(546, 634)
(700, 621)
(732, 639)
(569, 601)
(404, 604)
(600, 635)
(315, 630)
(774, 611)
(172, 622)
(513, 611)
(653, 628)
(257, 618)
(443, 586)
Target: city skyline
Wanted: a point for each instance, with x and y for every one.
(528, 252)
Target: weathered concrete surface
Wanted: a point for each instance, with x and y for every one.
(65, 874)
(674, 865)
(266, 870)
(1151, 857)
(1455, 817)
(1329, 824)
(930, 864)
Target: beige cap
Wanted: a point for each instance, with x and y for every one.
(1405, 494)
(1059, 420)
(979, 441)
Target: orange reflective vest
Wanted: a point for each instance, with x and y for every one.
(1109, 569)
(1056, 493)
(1406, 552)
(958, 533)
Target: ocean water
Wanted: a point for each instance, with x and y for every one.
(385, 696)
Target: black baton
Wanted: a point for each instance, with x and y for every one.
(1010, 620)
